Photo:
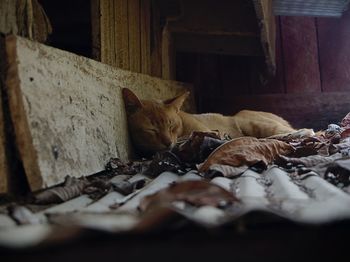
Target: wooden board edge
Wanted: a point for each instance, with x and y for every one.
(4, 169)
(265, 17)
(96, 29)
(23, 137)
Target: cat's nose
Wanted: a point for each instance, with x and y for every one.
(167, 143)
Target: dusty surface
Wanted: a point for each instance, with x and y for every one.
(73, 110)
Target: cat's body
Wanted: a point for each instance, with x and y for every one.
(156, 126)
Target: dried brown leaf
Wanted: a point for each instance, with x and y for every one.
(226, 170)
(197, 193)
(197, 147)
(72, 187)
(247, 151)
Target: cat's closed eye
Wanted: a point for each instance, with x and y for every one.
(152, 131)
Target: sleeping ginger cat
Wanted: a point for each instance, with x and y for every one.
(156, 126)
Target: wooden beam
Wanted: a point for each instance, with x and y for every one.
(68, 112)
(134, 16)
(95, 29)
(145, 21)
(4, 170)
(168, 55)
(121, 34)
(156, 41)
(266, 20)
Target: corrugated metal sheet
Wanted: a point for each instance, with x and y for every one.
(306, 199)
(330, 8)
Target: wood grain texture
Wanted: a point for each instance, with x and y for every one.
(121, 33)
(145, 20)
(168, 55)
(264, 13)
(24, 141)
(272, 84)
(95, 29)
(134, 35)
(105, 31)
(156, 41)
(68, 111)
(8, 18)
(4, 171)
(334, 42)
(300, 54)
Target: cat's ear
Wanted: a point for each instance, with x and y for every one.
(131, 101)
(177, 101)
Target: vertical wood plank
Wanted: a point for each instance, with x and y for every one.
(334, 43)
(275, 84)
(4, 171)
(300, 53)
(96, 29)
(105, 26)
(168, 55)
(134, 35)
(156, 41)
(121, 33)
(145, 17)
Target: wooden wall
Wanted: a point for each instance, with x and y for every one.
(312, 84)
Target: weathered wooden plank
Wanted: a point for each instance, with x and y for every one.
(314, 110)
(134, 35)
(95, 29)
(4, 171)
(145, 20)
(3, 160)
(105, 27)
(272, 84)
(25, 18)
(168, 55)
(267, 24)
(300, 54)
(334, 42)
(8, 18)
(121, 33)
(68, 112)
(156, 41)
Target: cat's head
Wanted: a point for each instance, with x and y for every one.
(153, 126)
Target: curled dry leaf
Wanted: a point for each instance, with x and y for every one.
(247, 151)
(225, 170)
(197, 193)
(346, 121)
(197, 147)
(71, 188)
